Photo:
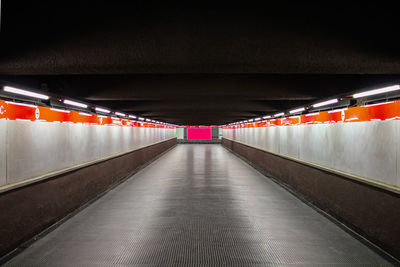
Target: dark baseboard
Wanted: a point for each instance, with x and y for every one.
(370, 211)
(29, 210)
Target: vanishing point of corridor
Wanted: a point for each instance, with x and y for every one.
(198, 205)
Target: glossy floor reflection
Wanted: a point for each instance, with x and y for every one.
(198, 205)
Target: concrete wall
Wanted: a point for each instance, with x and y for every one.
(31, 149)
(367, 149)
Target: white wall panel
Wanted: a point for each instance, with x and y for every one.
(289, 140)
(369, 151)
(366, 149)
(37, 148)
(3, 157)
(315, 145)
(272, 139)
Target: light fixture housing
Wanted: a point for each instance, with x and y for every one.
(377, 91)
(120, 114)
(296, 110)
(76, 104)
(325, 103)
(102, 110)
(279, 114)
(17, 91)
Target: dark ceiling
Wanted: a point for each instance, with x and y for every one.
(198, 65)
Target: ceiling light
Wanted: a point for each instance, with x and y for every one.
(76, 104)
(120, 114)
(24, 92)
(325, 103)
(279, 114)
(377, 91)
(296, 110)
(102, 110)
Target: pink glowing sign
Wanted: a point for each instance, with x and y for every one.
(199, 133)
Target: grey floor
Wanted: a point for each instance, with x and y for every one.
(198, 205)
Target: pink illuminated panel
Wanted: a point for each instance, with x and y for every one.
(199, 133)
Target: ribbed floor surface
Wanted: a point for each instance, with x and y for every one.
(198, 205)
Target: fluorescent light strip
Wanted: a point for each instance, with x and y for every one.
(24, 92)
(378, 104)
(337, 110)
(148, 120)
(377, 91)
(102, 110)
(120, 114)
(257, 119)
(352, 119)
(60, 110)
(266, 117)
(312, 114)
(132, 116)
(279, 114)
(250, 120)
(141, 119)
(390, 119)
(296, 110)
(76, 104)
(325, 103)
(85, 114)
(21, 104)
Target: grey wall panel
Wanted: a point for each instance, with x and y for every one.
(315, 145)
(3, 159)
(37, 148)
(179, 133)
(289, 140)
(367, 149)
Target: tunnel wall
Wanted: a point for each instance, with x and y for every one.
(92, 158)
(31, 149)
(367, 149)
(289, 154)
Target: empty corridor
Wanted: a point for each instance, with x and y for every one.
(197, 205)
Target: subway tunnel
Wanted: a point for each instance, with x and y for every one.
(143, 134)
